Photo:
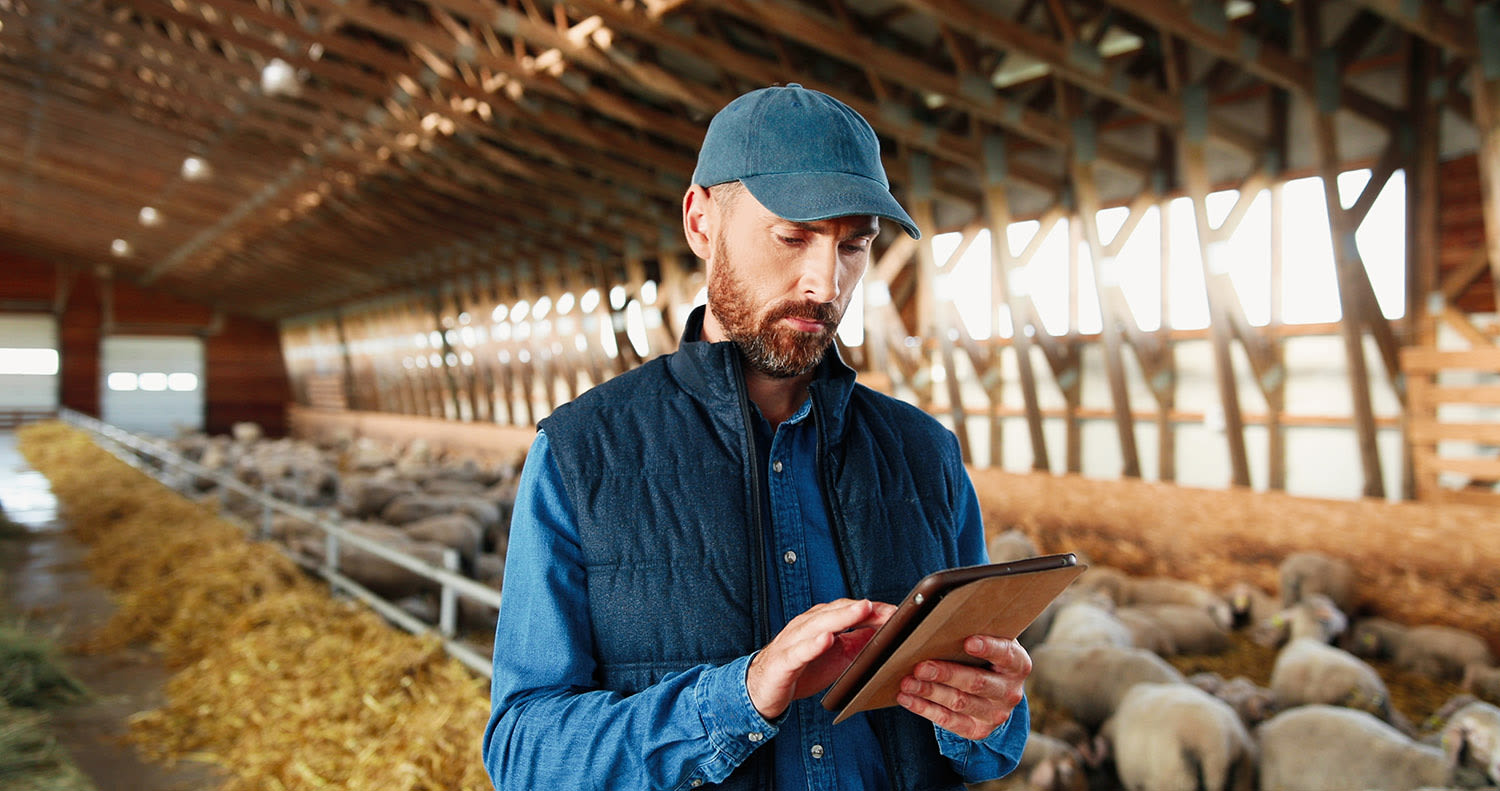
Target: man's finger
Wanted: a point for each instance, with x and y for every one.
(1007, 657)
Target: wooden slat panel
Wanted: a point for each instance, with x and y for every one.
(1480, 395)
(1479, 469)
(1427, 361)
(1433, 431)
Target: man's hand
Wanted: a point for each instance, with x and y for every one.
(811, 652)
(969, 701)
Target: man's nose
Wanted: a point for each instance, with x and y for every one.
(820, 273)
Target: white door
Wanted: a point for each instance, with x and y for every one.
(152, 385)
(28, 361)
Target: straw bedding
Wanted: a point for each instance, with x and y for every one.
(280, 684)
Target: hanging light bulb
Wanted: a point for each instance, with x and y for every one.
(195, 169)
(278, 78)
(150, 217)
(120, 248)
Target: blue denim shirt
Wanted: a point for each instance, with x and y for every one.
(549, 728)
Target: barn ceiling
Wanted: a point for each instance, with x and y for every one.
(352, 148)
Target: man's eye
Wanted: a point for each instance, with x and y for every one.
(790, 240)
(855, 249)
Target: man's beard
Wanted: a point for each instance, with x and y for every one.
(771, 347)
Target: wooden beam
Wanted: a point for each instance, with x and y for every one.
(1431, 21)
(998, 218)
(1485, 86)
(1086, 193)
(1265, 60)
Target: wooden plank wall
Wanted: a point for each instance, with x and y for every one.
(1461, 231)
(244, 377)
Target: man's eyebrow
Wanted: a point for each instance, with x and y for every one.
(870, 230)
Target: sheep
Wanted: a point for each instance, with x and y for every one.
(1249, 605)
(1471, 739)
(1255, 704)
(1315, 617)
(1147, 632)
(1047, 764)
(362, 497)
(1332, 748)
(1441, 652)
(1174, 736)
(1188, 629)
(1483, 682)
(1089, 681)
(1087, 622)
(1011, 545)
(456, 530)
(1305, 573)
(411, 507)
(1307, 671)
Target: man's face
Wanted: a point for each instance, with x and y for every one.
(779, 288)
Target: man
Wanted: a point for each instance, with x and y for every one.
(701, 545)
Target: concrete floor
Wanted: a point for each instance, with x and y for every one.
(44, 583)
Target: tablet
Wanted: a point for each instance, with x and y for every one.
(939, 614)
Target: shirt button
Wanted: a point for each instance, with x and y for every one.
(790, 557)
(776, 465)
(695, 782)
(755, 736)
(817, 751)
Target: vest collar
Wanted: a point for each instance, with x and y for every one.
(708, 372)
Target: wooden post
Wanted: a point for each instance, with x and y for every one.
(1166, 400)
(1087, 195)
(997, 216)
(922, 212)
(1195, 170)
(1276, 396)
(1348, 266)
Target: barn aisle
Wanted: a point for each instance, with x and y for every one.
(43, 581)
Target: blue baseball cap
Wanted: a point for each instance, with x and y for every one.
(803, 154)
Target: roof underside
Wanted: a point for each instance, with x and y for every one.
(410, 141)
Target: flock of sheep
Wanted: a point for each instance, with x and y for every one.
(1119, 715)
(407, 498)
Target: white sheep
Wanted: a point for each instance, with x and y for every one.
(1255, 704)
(1176, 737)
(1249, 605)
(1047, 764)
(1315, 617)
(1308, 671)
(1088, 621)
(1471, 739)
(1011, 545)
(1332, 748)
(1305, 573)
(1441, 652)
(1089, 681)
(1483, 682)
(1188, 629)
(1165, 590)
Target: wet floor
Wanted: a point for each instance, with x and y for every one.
(44, 584)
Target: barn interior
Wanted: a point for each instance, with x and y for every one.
(1203, 284)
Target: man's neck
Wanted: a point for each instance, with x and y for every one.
(778, 399)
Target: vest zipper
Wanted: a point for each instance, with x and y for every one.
(763, 625)
(835, 522)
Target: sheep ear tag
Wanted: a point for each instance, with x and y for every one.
(943, 611)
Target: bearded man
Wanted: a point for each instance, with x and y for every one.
(701, 545)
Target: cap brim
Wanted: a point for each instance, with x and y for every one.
(809, 197)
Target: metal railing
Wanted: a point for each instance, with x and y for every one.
(129, 448)
(12, 419)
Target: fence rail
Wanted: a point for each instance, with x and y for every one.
(130, 448)
(12, 419)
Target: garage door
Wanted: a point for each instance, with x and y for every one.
(152, 385)
(28, 362)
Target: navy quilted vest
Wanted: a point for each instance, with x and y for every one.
(660, 467)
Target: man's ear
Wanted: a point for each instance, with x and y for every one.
(699, 221)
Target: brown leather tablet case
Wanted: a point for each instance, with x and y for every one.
(940, 613)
